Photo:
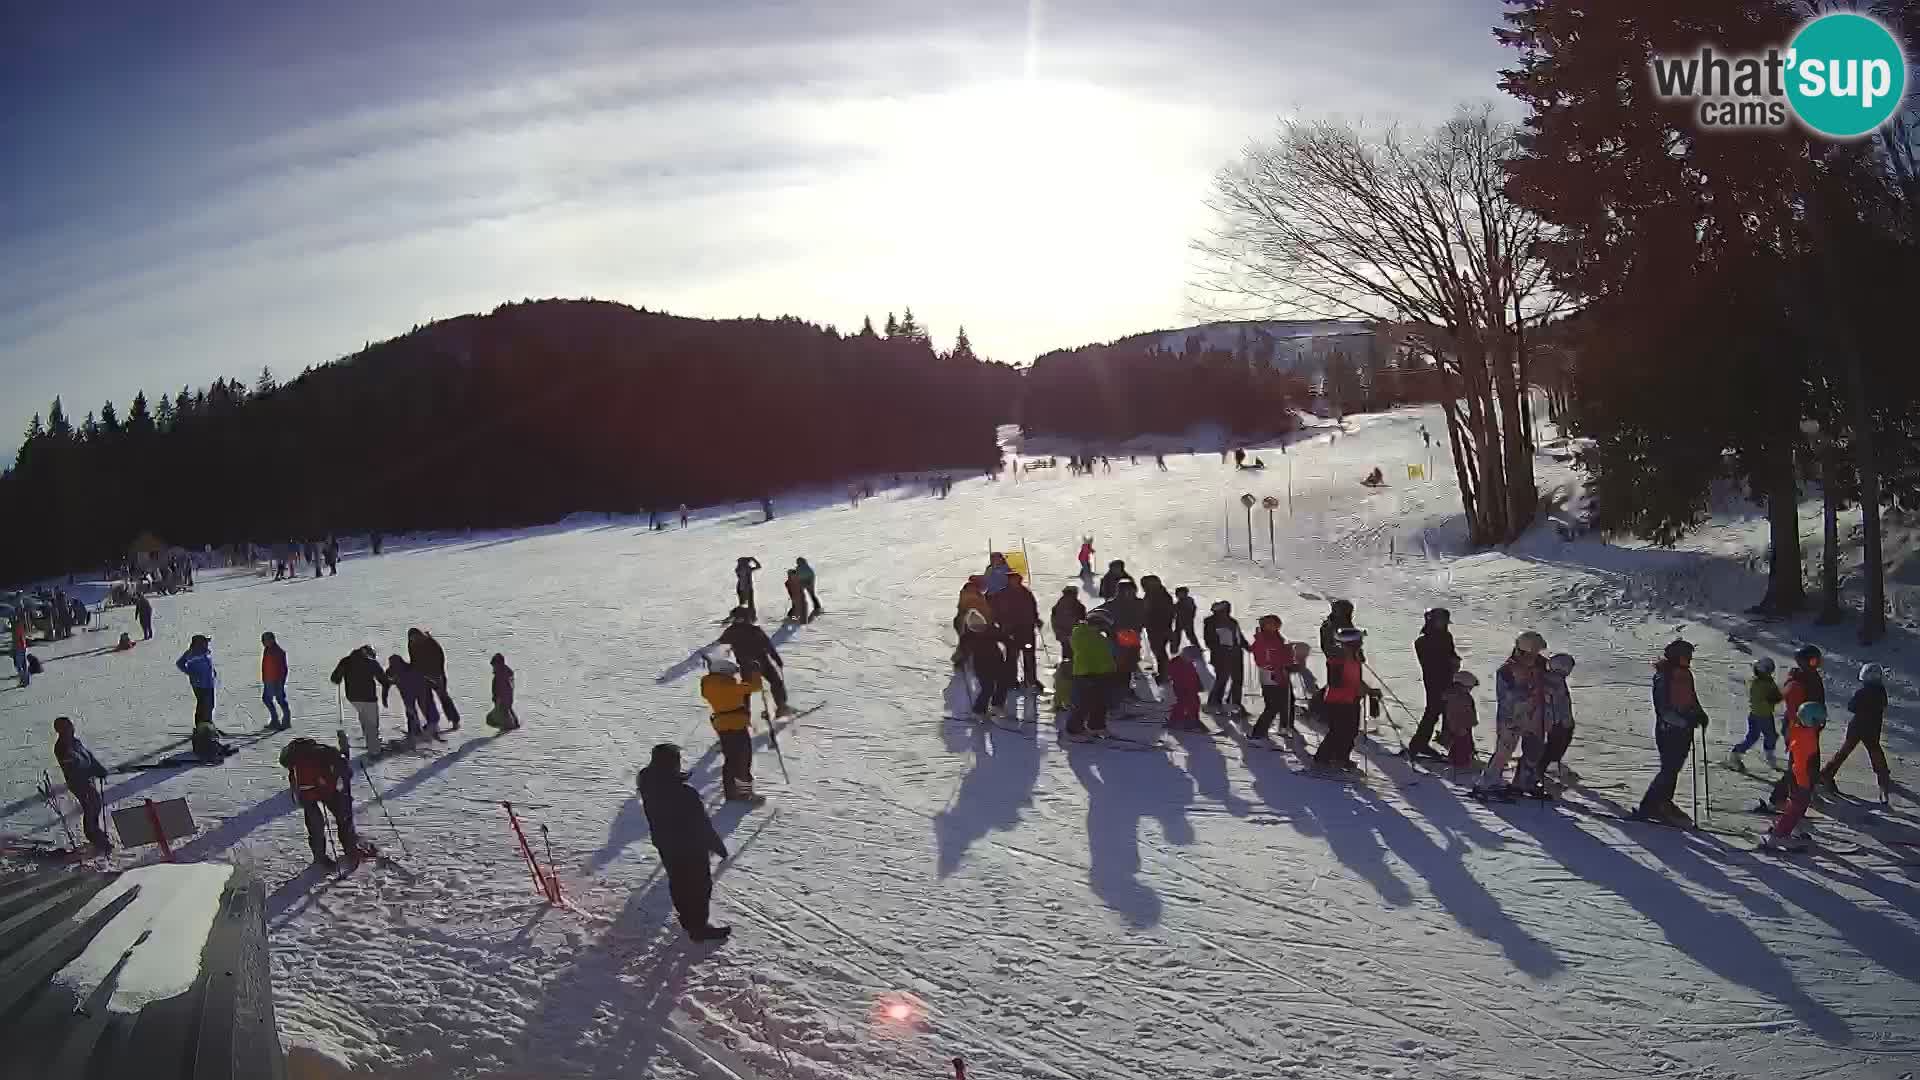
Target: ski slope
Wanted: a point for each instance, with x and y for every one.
(924, 889)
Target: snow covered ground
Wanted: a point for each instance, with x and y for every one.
(1041, 911)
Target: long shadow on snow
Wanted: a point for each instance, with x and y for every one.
(1123, 788)
(629, 825)
(1720, 941)
(602, 983)
(1006, 766)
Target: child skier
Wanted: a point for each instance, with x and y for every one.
(1558, 703)
(1804, 686)
(729, 690)
(1762, 695)
(1458, 717)
(1516, 715)
(206, 744)
(1869, 709)
(1676, 711)
(1803, 754)
(1184, 675)
(796, 597)
(1086, 557)
(1272, 656)
(1225, 644)
(502, 715)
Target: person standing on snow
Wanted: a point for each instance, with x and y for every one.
(416, 697)
(1110, 581)
(1869, 709)
(1086, 557)
(1804, 684)
(806, 581)
(994, 577)
(1129, 614)
(425, 656)
(1184, 610)
(1225, 646)
(684, 836)
(1516, 718)
(751, 645)
(1094, 668)
(502, 715)
(273, 682)
(743, 569)
(143, 610)
(1184, 676)
(1438, 663)
(1557, 703)
(1159, 623)
(984, 647)
(1067, 613)
(359, 676)
(1017, 614)
(1762, 695)
(729, 690)
(1339, 617)
(1460, 719)
(1272, 657)
(17, 639)
(83, 773)
(197, 665)
(319, 776)
(1803, 753)
(1346, 686)
(1677, 711)
(796, 597)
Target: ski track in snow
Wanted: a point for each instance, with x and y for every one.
(1053, 911)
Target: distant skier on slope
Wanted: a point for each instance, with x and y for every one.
(807, 581)
(743, 569)
(502, 715)
(1225, 646)
(273, 682)
(751, 645)
(1086, 557)
(681, 832)
(1677, 711)
(197, 665)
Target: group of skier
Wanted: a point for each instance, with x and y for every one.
(803, 602)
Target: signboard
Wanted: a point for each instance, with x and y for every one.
(137, 824)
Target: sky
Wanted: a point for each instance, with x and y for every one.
(194, 190)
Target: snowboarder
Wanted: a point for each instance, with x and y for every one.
(681, 832)
(1763, 694)
(1018, 615)
(1110, 581)
(1184, 676)
(1869, 709)
(1093, 672)
(273, 682)
(1677, 711)
(143, 610)
(502, 715)
(1272, 656)
(751, 645)
(1438, 663)
(1159, 623)
(197, 665)
(1459, 720)
(983, 646)
(358, 675)
(319, 776)
(1067, 613)
(729, 690)
(1346, 685)
(1803, 754)
(425, 656)
(83, 773)
(1184, 610)
(1086, 557)
(1516, 718)
(806, 581)
(416, 697)
(743, 569)
(1804, 684)
(796, 597)
(1225, 644)
(1557, 701)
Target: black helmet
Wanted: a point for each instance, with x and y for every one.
(1678, 648)
(1438, 614)
(1343, 607)
(1807, 655)
(740, 614)
(666, 752)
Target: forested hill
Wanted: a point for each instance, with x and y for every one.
(521, 415)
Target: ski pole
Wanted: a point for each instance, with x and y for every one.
(1693, 769)
(1396, 700)
(553, 875)
(1706, 778)
(774, 742)
(53, 803)
(377, 797)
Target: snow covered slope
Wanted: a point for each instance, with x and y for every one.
(924, 889)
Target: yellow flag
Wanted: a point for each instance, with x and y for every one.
(1416, 472)
(1017, 562)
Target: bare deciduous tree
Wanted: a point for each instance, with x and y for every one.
(1327, 220)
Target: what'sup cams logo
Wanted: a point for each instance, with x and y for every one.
(1842, 76)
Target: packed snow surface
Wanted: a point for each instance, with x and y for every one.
(923, 889)
(150, 951)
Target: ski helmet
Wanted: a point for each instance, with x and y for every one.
(1679, 649)
(1191, 652)
(1466, 679)
(1812, 714)
(1437, 615)
(1343, 607)
(1872, 673)
(1530, 643)
(1763, 666)
(721, 665)
(1560, 663)
(1350, 635)
(1807, 656)
(1221, 607)
(740, 614)
(1098, 617)
(1071, 590)
(1270, 618)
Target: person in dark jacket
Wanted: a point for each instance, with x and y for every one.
(425, 656)
(1226, 651)
(359, 676)
(807, 580)
(1339, 618)
(1438, 664)
(1869, 709)
(1017, 614)
(197, 665)
(984, 646)
(743, 569)
(1804, 684)
(83, 773)
(320, 778)
(416, 697)
(1184, 610)
(143, 610)
(684, 836)
(1110, 581)
(1067, 613)
(751, 645)
(1159, 619)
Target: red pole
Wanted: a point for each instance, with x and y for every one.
(159, 834)
(539, 879)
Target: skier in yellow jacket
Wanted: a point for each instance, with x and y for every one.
(730, 690)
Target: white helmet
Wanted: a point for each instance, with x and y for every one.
(1763, 666)
(1530, 642)
(1560, 663)
(1872, 673)
(1466, 679)
(721, 665)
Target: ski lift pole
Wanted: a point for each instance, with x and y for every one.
(1271, 505)
(1247, 502)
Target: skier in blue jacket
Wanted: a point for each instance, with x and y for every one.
(197, 664)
